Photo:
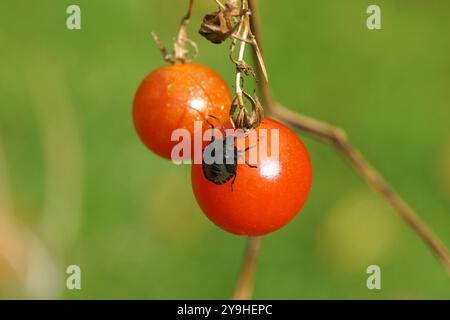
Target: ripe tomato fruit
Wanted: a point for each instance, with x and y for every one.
(168, 98)
(264, 198)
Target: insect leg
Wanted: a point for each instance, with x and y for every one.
(232, 182)
(250, 165)
(218, 120)
(212, 129)
(248, 148)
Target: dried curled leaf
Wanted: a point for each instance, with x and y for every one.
(220, 25)
(257, 114)
(243, 119)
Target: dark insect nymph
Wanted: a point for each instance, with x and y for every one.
(221, 171)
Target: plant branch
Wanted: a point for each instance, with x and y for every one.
(244, 287)
(237, 87)
(180, 50)
(338, 138)
(180, 44)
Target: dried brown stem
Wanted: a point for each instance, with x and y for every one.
(166, 55)
(243, 33)
(373, 178)
(338, 138)
(244, 287)
(237, 87)
(180, 44)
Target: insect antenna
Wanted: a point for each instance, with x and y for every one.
(200, 113)
(218, 120)
(207, 120)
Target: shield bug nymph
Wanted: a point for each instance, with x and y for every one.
(220, 168)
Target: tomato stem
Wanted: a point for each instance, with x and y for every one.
(182, 39)
(244, 287)
(180, 45)
(243, 33)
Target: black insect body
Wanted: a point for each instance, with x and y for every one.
(222, 169)
(224, 166)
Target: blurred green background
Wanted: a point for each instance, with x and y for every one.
(78, 187)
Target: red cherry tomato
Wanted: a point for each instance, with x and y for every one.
(265, 198)
(168, 98)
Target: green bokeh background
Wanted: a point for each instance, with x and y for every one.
(78, 187)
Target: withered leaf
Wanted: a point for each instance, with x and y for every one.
(218, 26)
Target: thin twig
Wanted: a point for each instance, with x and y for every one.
(166, 55)
(338, 138)
(243, 33)
(244, 287)
(221, 6)
(240, 59)
(180, 44)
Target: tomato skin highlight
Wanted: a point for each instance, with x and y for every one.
(166, 98)
(264, 198)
